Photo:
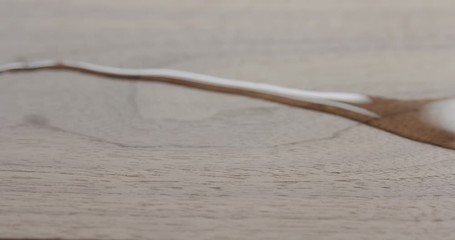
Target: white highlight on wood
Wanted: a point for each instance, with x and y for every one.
(335, 99)
(441, 114)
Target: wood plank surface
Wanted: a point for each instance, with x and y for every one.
(89, 157)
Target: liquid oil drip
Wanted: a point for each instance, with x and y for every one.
(428, 120)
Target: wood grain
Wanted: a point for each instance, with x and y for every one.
(85, 157)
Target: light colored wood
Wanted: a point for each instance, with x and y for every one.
(85, 157)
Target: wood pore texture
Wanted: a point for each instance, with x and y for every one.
(89, 157)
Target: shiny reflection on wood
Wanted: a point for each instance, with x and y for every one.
(427, 120)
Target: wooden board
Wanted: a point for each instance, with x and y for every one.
(88, 157)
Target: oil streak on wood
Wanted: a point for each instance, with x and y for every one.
(427, 120)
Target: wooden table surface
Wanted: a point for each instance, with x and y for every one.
(89, 157)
